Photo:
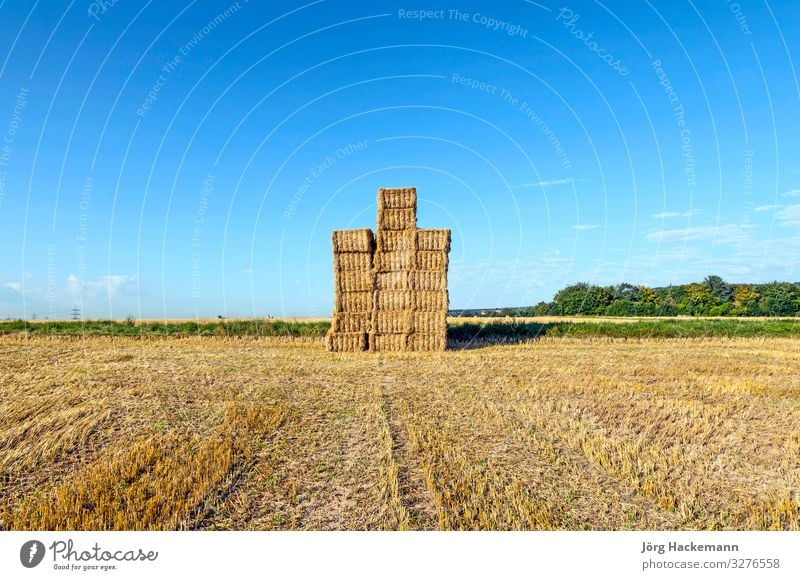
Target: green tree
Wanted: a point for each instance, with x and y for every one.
(701, 297)
(719, 288)
(582, 299)
(627, 292)
(745, 301)
(629, 308)
(780, 299)
(648, 294)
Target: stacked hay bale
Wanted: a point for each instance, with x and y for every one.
(427, 282)
(353, 290)
(391, 291)
(395, 257)
(410, 304)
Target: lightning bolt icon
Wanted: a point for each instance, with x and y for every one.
(34, 549)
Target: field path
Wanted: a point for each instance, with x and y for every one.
(413, 494)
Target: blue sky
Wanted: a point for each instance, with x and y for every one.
(191, 158)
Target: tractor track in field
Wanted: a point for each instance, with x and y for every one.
(413, 492)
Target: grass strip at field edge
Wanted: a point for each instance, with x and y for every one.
(459, 334)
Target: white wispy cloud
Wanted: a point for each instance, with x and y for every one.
(789, 216)
(111, 285)
(729, 233)
(547, 183)
(15, 286)
(248, 271)
(585, 227)
(672, 214)
(767, 207)
(792, 193)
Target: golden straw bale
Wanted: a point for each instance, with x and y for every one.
(417, 342)
(360, 240)
(354, 281)
(427, 322)
(394, 240)
(396, 219)
(431, 239)
(353, 302)
(352, 321)
(393, 280)
(397, 197)
(427, 301)
(346, 341)
(387, 342)
(394, 261)
(352, 261)
(427, 280)
(431, 260)
(390, 321)
(393, 299)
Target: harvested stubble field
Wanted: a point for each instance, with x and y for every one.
(276, 433)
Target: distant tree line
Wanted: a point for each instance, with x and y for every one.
(711, 297)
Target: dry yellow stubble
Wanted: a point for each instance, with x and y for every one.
(244, 433)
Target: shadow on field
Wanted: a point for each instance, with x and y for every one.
(478, 335)
(471, 335)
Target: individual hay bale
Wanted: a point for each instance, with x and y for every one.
(390, 321)
(397, 219)
(394, 261)
(354, 281)
(395, 240)
(393, 300)
(427, 280)
(427, 322)
(422, 342)
(431, 260)
(392, 280)
(360, 240)
(426, 301)
(379, 342)
(352, 261)
(352, 302)
(397, 198)
(352, 321)
(346, 341)
(432, 240)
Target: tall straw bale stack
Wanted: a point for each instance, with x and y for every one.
(391, 288)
